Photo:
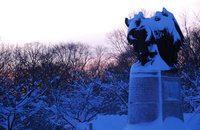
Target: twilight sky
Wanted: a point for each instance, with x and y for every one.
(88, 21)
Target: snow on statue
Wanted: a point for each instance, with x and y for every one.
(156, 40)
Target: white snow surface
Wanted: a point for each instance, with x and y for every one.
(119, 122)
(82, 126)
(109, 122)
(170, 123)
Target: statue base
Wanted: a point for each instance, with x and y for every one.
(153, 97)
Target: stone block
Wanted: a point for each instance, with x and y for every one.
(143, 98)
(172, 100)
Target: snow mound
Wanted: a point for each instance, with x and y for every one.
(145, 126)
(109, 122)
(119, 122)
(193, 121)
(82, 126)
(170, 123)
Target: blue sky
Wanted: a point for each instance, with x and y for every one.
(74, 20)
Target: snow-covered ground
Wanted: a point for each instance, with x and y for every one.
(117, 122)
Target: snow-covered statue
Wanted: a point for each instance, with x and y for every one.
(156, 40)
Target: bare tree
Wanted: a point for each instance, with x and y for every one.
(117, 38)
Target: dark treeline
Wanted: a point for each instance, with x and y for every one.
(59, 86)
(65, 85)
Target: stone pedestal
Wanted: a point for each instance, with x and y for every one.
(153, 96)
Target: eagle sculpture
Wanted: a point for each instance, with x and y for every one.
(157, 35)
